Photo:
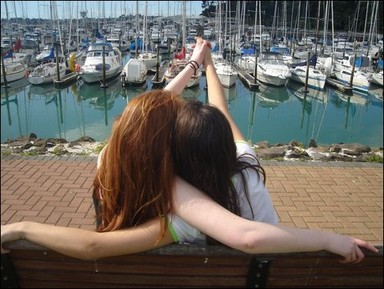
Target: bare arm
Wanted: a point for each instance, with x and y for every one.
(178, 84)
(257, 237)
(84, 244)
(216, 94)
(199, 211)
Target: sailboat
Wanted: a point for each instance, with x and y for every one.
(13, 70)
(177, 65)
(46, 72)
(225, 71)
(316, 78)
(134, 72)
(148, 57)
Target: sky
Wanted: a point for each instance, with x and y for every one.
(68, 9)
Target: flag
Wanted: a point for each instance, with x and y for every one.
(8, 54)
(181, 55)
(17, 45)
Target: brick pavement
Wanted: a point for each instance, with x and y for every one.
(341, 197)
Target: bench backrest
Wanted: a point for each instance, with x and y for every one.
(29, 265)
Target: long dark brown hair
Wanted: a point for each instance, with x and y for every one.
(204, 153)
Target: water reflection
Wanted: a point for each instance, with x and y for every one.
(130, 92)
(230, 93)
(275, 114)
(271, 96)
(251, 115)
(351, 104)
(191, 93)
(10, 101)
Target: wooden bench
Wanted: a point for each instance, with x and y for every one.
(29, 265)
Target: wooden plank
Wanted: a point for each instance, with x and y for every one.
(246, 77)
(191, 266)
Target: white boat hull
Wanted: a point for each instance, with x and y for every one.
(96, 66)
(376, 78)
(92, 75)
(275, 80)
(226, 74)
(46, 73)
(13, 72)
(134, 73)
(360, 80)
(149, 59)
(316, 79)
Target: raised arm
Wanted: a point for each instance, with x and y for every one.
(178, 84)
(216, 94)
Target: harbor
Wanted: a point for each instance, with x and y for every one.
(102, 69)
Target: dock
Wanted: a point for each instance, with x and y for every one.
(340, 86)
(66, 79)
(158, 79)
(247, 78)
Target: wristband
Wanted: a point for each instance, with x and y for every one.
(194, 63)
(193, 67)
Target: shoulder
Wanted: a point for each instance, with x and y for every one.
(100, 156)
(243, 147)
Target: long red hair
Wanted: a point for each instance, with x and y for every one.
(136, 176)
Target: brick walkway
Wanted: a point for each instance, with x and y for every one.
(341, 197)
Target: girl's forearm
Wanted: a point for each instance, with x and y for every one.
(216, 97)
(177, 84)
(257, 237)
(85, 244)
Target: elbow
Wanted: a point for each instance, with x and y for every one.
(89, 252)
(249, 242)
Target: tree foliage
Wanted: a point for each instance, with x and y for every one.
(344, 12)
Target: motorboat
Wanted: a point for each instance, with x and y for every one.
(134, 73)
(96, 66)
(272, 70)
(376, 78)
(316, 78)
(360, 81)
(149, 58)
(226, 74)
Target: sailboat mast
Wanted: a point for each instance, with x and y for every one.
(184, 22)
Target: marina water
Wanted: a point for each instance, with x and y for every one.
(273, 114)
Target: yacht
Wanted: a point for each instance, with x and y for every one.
(92, 70)
(272, 70)
(316, 78)
(360, 81)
